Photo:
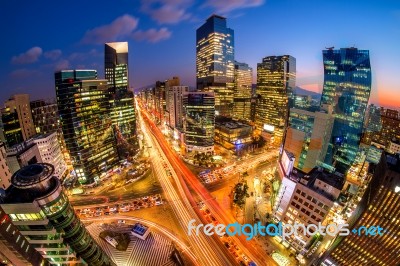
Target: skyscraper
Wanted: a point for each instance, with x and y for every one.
(199, 121)
(215, 62)
(38, 206)
(242, 94)
(276, 78)
(17, 119)
(84, 109)
(121, 99)
(175, 108)
(347, 87)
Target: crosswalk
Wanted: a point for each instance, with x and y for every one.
(154, 251)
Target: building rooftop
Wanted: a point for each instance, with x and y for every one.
(335, 180)
(31, 182)
(393, 162)
(139, 229)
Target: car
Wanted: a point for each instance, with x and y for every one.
(158, 203)
(145, 198)
(227, 245)
(121, 221)
(245, 258)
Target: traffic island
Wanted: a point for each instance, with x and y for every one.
(118, 240)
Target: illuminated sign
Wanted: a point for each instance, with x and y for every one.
(269, 128)
(397, 189)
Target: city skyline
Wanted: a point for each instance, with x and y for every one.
(161, 35)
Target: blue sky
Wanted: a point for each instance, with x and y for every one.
(40, 37)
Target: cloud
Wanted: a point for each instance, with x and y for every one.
(120, 27)
(23, 73)
(30, 56)
(152, 35)
(61, 65)
(167, 11)
(223, 6)
(53, 54)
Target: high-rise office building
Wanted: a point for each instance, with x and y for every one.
(17, 119)
(199, 121)
(276, 78)
(306, 137)
(47, 120)
(175, 108)
(347, 87)
(378, 207)
(215, 62)
(84, 109)
(382, 127)
(121, 99)
(38, 206)
(45, 116)
(159, 100)
(243, 79)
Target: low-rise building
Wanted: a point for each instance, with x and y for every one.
(141, 231)
(306, 199)
(233, 135)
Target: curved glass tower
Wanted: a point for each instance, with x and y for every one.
(347, 87)
(37, 204)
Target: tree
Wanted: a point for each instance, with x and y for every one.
(240, 194)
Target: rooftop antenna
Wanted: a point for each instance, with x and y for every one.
(330, 48)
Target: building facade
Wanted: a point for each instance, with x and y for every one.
(17, 119)
(307, 136)
(174, 114)
(276, 78)
(306, 199)
(45, 117)
(243, 80)
(199, 121)
(347, 87)
(5, 173)
(233, 135)
(39, 149)
(215, 62)
(84, 109)
(121, 99)
(38, 206)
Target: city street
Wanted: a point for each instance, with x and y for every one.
(223, 216)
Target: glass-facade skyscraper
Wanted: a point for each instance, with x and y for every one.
(215, 62)
(121, 99)
(199, 121)
(347, 87)
(276, 80)
(84, 109)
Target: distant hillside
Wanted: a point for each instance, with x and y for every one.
(301, 91)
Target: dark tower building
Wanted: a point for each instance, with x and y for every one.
(38, 206)
(347, 87)
(84, 109)
(121, 99)
(215, 62)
